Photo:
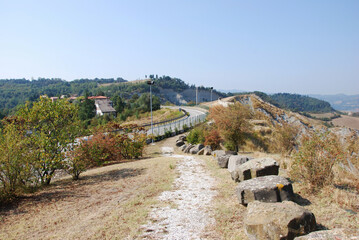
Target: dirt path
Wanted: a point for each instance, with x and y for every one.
(188, 212)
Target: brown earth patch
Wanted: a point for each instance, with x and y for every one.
(347, 121)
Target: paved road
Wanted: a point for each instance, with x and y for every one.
(196, 115)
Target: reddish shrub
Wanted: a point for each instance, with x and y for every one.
(213, 139)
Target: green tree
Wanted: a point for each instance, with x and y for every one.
(118, 103)
(54, 127)
(87, 108)
(15, 170)
(232, 123)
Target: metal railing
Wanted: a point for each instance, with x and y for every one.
(179, 125)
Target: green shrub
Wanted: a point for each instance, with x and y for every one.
(196, 136)
(314, 161)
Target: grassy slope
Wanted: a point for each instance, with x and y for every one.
(108, 203)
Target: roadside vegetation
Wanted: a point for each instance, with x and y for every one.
(318, 158)
(42, 139)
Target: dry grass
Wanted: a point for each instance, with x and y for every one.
(347, 121)
(227, 211)
(333, 207)
(111, 202)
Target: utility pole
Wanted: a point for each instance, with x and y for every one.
(211, 92)
(196, 96)
(151, 82)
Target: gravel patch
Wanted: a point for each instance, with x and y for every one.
(188, 212)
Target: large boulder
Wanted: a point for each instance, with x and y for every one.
(207, 150)
(196, 148)
(327, 234)
(222, 157)
(189, 147)
(218, 153)
(282, 220)
(264, 189)
(200, 152)
(183, 147)
(182, 138)
(235, 161)
(179, 143)
(255, 168)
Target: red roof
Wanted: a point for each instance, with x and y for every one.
(98, 97)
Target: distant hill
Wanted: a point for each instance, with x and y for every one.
(341, 102)
(14, 92)
(296, 102)
(301, 103)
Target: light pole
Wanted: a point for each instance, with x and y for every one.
(151, 82)
(196, 96)
(211, 92)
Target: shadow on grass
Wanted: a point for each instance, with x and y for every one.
(321, 227)
(112, 175)
(301, 201)
(346, 187)
(66, 189)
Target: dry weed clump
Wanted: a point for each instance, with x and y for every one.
(315, 159)
(284, 138)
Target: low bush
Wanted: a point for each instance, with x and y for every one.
(105, 148)
(315, 158)
(196, 135)
(213, 139)
(284, 138)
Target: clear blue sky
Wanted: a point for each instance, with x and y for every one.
(301, 46)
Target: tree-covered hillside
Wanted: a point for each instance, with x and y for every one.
(295, 102)
(301, 103)
(15, 92)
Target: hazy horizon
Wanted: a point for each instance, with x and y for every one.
(302, 47)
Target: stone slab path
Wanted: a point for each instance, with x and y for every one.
(188, 210)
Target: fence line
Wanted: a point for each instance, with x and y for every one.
(179, 125)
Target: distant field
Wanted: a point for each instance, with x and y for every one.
(347, 121)
(323, 115)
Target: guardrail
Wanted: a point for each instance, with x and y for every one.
(185, 113)
(177, 126)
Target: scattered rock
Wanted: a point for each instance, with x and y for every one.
(255, 168)
(326, 234)
(235, 161)
(196, 148)
(183, 147)
(265, 189)
(284, 220)
(179, 143)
